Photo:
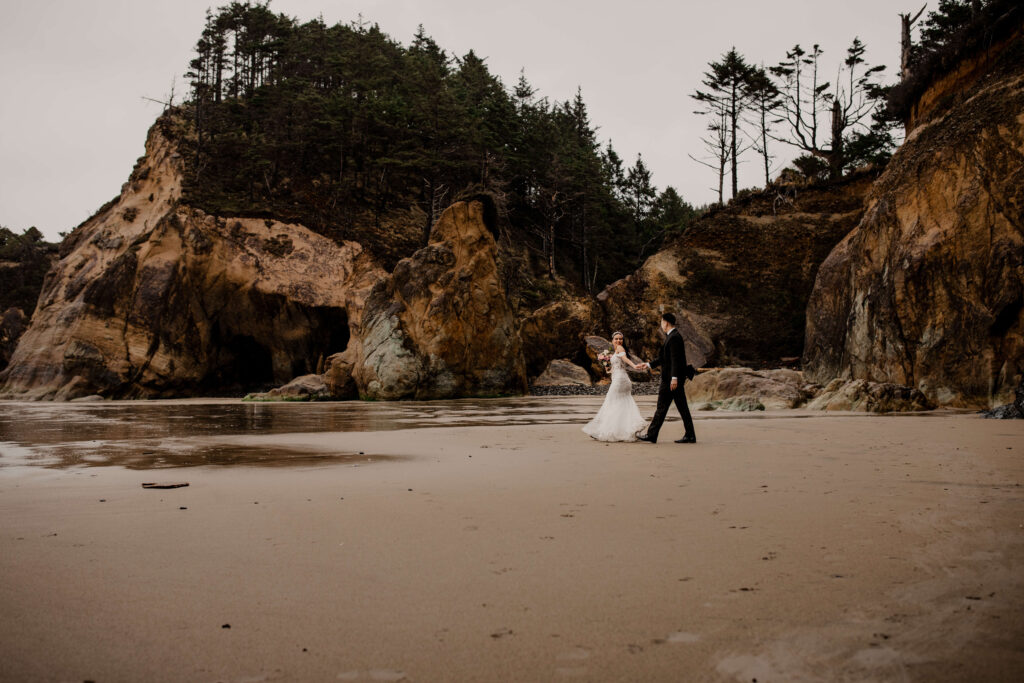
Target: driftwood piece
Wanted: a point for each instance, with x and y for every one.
(154, 485)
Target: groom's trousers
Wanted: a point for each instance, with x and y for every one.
(665, 399)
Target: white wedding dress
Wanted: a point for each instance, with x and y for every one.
(618, 419)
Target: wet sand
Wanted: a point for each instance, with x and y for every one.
(777, 548)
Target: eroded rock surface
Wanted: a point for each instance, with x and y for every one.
(440, 325)
(305, 388)
(557, 331)
(872, 397)
(775, 389)
(739, 279)
(562, 373)
(151, 298)
(928, 290)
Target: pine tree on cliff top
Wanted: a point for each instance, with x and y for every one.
(725, 89)
(345, 130)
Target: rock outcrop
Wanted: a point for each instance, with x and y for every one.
(782, 389)
(440, 325)
(871, 397)
(557, 331)
(739, 279)
(1010, 411)
(303, 388)
(928, 290)
(152, 298)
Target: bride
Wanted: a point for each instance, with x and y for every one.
(618, 419)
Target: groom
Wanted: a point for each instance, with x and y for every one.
(673, 362)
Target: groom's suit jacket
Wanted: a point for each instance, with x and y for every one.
(672, 359)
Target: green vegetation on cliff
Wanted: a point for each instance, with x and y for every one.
(24, 261)
(359, 137)
(956, 31)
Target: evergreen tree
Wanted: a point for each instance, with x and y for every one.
(641, 194)
(726, 89)
(765, 103)
(343, 129)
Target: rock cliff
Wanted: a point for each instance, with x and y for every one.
(152, 298)
(928, 290)
(739, 279)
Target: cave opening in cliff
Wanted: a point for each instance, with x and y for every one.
(1007, 318)
(243, 365)
(328, 335)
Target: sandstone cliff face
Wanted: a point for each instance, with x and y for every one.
(928, 290)
(152, 298)
(440, 325)
(738, 281)
(557, 331)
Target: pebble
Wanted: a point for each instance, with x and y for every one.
(639, 389)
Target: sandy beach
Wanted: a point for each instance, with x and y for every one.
(781, 547)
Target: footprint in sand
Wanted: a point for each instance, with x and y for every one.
(571, 662)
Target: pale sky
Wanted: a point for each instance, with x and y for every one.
(73, 74)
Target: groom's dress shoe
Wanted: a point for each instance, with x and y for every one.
(646, 438)
(687, 439)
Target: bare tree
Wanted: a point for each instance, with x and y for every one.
(853, 101)
(906, 45)
(802, 96)
(716, 143)
(849, 103)
(727, 83)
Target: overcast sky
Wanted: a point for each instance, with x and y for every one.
(73, 74)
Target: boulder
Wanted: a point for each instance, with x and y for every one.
(440, 326)
(563, 373)
(338, 374)
(774, 389)
(870, 397)
(1010, 411)
(304, 388)
(928, 290)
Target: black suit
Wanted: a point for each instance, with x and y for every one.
(673, 364)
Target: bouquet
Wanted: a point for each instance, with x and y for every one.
(606, 359)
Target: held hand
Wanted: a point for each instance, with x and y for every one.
(674, 385)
